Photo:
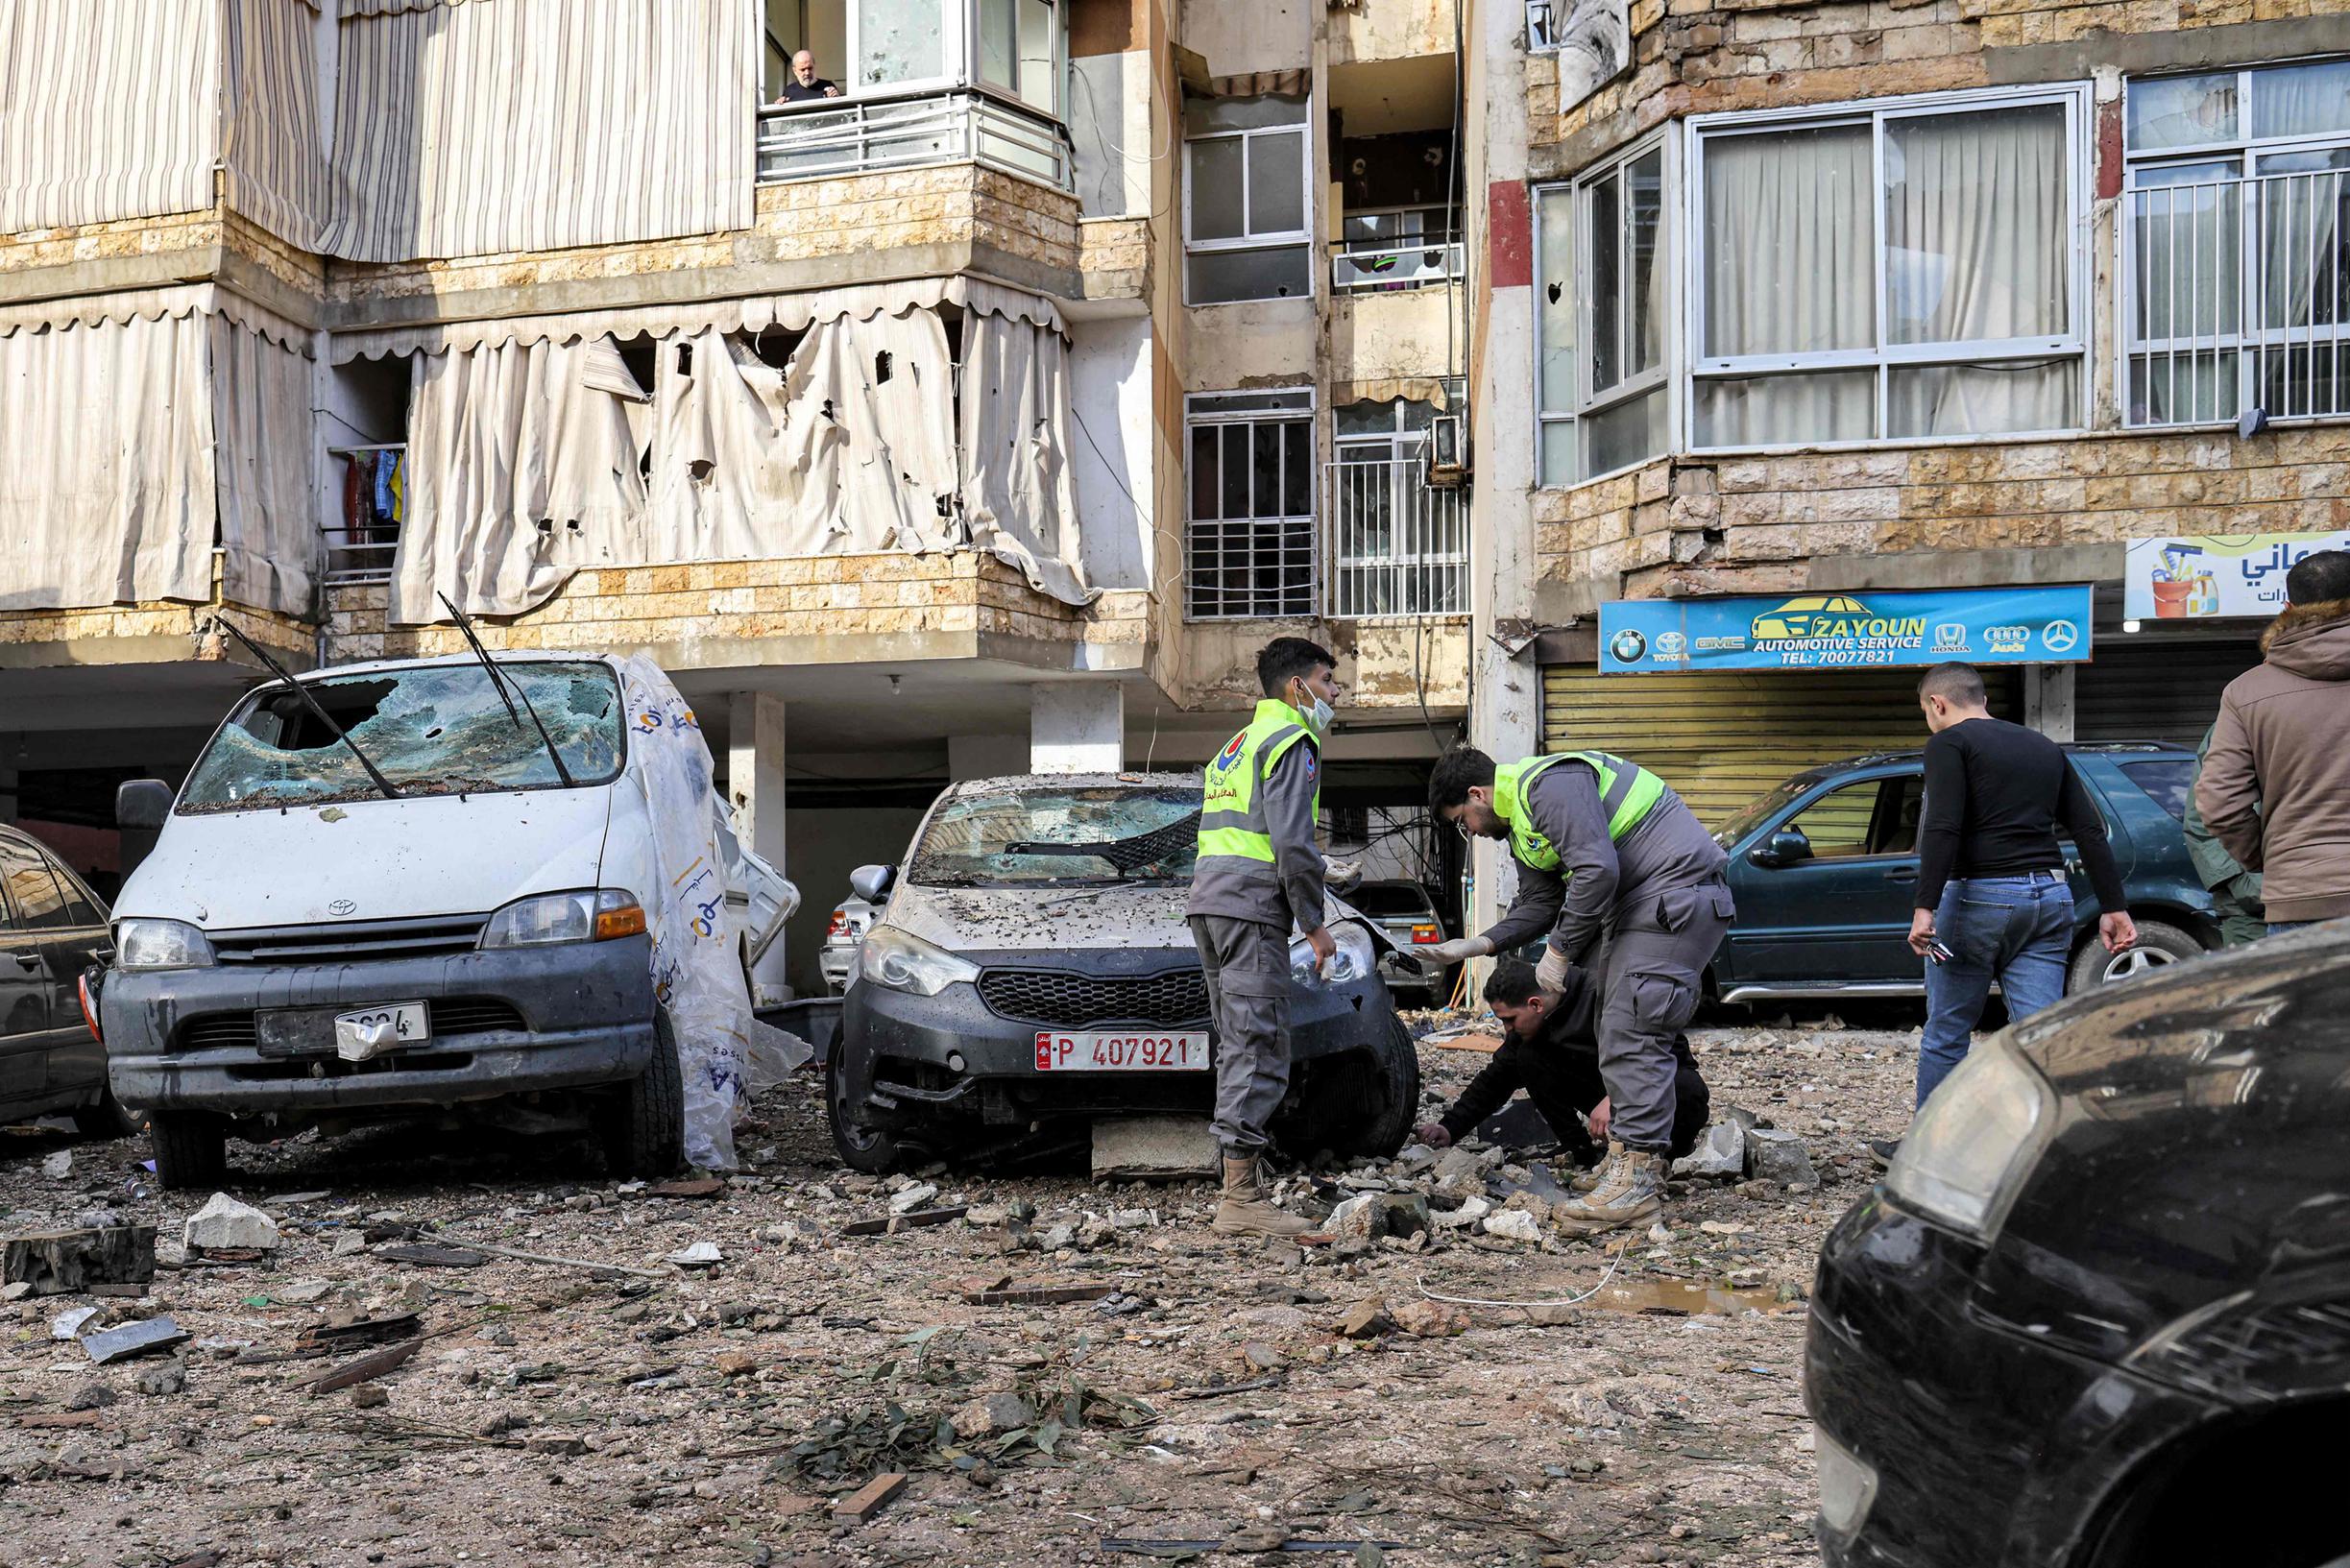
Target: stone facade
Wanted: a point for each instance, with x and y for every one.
(839, 607)
(1683, 526)
(1386, 665)
(150, 633)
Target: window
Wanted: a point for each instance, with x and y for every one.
(1398, 547)
(1602, 270)
(1837, 823)
(1903, 270)
(39, 901)
(2237, 244)
(1019, 41)
(1245, 227)
(2168, 780)
(1249, 543)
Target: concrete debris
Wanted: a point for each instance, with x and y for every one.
(68, 1325)
(1774, 1155)
(134, 1339)
(90, 1397)
(1370, 1215)
(369, 1396)
(1367, 1320)
(162, 1382)
(1720, 1152)
(301, 1292)
(62, 1262)
(59, 1165)
(913, 1198)
(225, 1225)
(1513, 1225)
(992, 1413)
(1431, 1319)
(1154, 1149)
(700, 1255)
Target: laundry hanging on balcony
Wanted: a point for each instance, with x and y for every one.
(142, 428)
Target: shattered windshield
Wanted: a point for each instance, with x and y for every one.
(1060, 837)
(434, 730)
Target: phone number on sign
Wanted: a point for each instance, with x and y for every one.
(1093, 1053)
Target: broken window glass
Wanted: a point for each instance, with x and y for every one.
(1061, 836)
(433, 730)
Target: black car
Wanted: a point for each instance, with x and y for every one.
(52, 930)
(2098, 1313)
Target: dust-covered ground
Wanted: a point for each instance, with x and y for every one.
(714, 1415)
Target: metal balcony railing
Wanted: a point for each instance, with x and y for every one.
(1402, 248)
(359, 551)
(2238, 299)
(1397, 548)
(825, 138)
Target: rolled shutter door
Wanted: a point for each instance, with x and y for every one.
(2157, 690)
(1722, 740)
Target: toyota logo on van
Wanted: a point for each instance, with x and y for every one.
(342, 906)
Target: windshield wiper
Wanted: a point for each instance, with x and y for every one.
(497, 681)
(311, 702)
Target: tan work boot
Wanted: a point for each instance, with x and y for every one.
(1631, 1194)
(1588, 1181)
(1247, 1210)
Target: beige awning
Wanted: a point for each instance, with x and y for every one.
(790, 312)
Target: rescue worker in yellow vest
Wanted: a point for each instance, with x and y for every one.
(1626, 881)
(1258, 874)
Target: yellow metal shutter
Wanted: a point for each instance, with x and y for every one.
(1722, 740)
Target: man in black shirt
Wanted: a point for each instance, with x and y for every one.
(1551, 1050)
(804, 84)
(1993, 904)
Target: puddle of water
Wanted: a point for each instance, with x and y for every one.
(1680, 1298)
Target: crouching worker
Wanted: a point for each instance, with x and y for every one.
(1550, 1048)
(1258, 872)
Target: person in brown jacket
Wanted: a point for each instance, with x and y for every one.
(2275, 786)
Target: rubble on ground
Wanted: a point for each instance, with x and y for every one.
(717, 1372)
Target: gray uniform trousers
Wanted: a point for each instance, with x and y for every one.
(1655, 953)
(1246, 965)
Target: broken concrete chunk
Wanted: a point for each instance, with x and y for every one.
(59, 1263)
(991, 1413)
(162, 1382)
(700, 1255)
(368, 1396)
(908, 1200)
(301, 1292)
(224, 1224)
(1370, 1215)
(1470, 1211)
(1720, 1152)
(347, 1244)
(1431, 1319)
(134, 1339)
(1513, 1225)
(90, 1397)
(1773, 1155)
(1154, 1149)
(68, 1325)
(1367, 1320)
(59, 1165)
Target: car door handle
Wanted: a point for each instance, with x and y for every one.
(29, 960)
(1902, 875)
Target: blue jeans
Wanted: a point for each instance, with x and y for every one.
(2278, 928)
(2016, 931)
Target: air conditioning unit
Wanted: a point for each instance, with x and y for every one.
(1447, 459)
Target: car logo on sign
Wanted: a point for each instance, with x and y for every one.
(2060, 635)
(1671, 645)
(1628, 645)
(342, 906)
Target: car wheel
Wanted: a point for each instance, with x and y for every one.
(191, 1149)
(2159, 947)
(1361, 1104)
(863, 1146)
(644, 1126)
(105, 1118)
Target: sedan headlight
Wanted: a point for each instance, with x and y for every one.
(1352, 961)
(595, 914)
(1974, 1141)
(161, 944)
(904, 962)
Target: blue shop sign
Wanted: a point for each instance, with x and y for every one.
(1846, 631)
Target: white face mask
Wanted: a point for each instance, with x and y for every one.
(1316, 717)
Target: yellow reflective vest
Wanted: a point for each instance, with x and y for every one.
(1627, 792)
(1231, 815)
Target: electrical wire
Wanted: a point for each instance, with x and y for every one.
(1421, 1282)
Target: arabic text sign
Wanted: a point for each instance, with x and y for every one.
(1846, 631)
(2215, 574)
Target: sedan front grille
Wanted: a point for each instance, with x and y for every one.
(1065, 1000)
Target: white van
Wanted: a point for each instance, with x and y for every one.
(411, 886)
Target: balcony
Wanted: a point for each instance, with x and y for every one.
(363, 537)
(1395, 247)
(828, 137)
(1398, 548)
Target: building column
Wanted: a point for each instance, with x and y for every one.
(755, 786)
(2047, 699)
(1076, 727)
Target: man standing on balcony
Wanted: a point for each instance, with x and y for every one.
(1624, 880)
(805, 84)
(1257, 873)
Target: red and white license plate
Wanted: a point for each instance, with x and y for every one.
(1110, 1051)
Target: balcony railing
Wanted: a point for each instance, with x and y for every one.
(1403, 248)
(1397, 547)
(2239, 295)
(360, 549)
(825, 138)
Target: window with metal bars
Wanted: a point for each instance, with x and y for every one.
(2237, 245)
(1249, 539)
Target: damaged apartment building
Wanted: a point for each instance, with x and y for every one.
(983, 410)
(1796, 304)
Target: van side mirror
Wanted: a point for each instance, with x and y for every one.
(1784, 848)
(872, 883)
(141, 803)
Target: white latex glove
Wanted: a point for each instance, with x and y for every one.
(1341, 876)
(1552, 971)
(1444, 955)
